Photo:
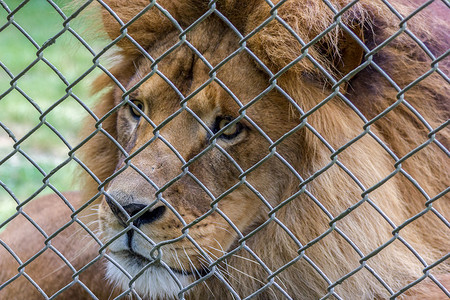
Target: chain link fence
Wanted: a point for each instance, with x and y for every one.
(231, 150)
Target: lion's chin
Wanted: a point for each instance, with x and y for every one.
(155, 282)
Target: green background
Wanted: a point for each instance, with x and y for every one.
(34, 79)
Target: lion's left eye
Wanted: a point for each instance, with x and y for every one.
(231, 130)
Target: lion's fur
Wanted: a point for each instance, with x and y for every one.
(400, 130)
(336, 183)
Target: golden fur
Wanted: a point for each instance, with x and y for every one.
(280, 196)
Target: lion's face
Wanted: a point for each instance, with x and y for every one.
(201, 171)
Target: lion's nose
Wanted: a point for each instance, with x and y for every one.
(133, 209)
(147, 217)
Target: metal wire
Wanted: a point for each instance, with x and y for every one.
(272, 276)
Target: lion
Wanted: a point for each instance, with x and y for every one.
(268, 151)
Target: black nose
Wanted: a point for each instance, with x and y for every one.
(147, 217)
(133, 209)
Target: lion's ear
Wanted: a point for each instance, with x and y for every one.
(350, 53)
(139, 24)
(122, 25)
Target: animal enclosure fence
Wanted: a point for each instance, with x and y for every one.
(38, 147)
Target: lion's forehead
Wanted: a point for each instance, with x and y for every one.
(200, 77)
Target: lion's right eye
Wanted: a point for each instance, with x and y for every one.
(137, 109)
(231, 131)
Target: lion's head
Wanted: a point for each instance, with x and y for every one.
(240, 156)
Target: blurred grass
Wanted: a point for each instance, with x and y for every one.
(28, 88)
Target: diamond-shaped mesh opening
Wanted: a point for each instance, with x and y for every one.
(257, 150)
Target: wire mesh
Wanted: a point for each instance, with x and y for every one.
(264, 150)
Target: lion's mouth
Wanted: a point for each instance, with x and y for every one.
(142, 261)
